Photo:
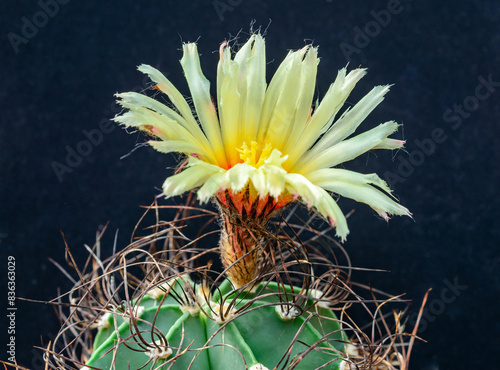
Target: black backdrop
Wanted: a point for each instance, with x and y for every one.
(61, 65)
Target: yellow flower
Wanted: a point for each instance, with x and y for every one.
(264, 146)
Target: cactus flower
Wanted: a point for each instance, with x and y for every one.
(264, 146)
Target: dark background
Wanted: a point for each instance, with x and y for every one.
(60, 81)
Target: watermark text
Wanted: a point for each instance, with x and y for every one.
(30, 26)
(11, 309)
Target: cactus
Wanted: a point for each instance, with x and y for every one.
(266, 333)
(271, 302)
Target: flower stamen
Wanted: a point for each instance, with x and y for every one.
(254, 156)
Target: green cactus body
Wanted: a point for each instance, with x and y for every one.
(257, 336)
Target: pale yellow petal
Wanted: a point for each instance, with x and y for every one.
(283, 111)
(343, 90)
(239, 176)
(304, 101)
(270, 178)
(197, 173)
(390, 144)
(259, 182)
(212, 186)
(340, 174)
(329, 209)
(135, 101)
(351, 119)
(273, 93)
(173, 94)
(172, 146)
(367, 194)
(254, 94)
(275, 180)
(199, 87)
(167, 129)
(229, 100)
(299, 186)
(325, 113)
(276, 158)
(347, 149)
(315, 196)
